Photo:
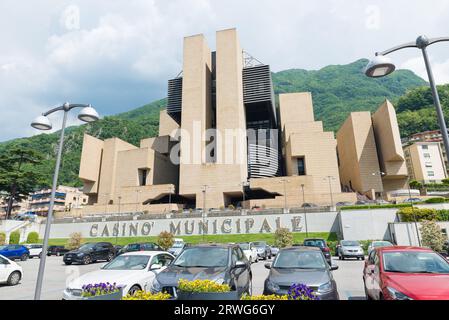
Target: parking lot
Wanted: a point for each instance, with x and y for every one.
(348, 278)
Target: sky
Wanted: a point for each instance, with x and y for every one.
(118, 55)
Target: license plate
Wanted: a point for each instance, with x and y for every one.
(68, 258)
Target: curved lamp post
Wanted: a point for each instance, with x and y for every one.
(87, 114)
(381, 66)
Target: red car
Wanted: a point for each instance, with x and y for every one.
(406, 273)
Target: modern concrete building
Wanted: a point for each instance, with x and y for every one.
(371, 159)
(222, 141)
(425, 162)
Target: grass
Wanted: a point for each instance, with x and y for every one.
(268, 237)
(377, 206)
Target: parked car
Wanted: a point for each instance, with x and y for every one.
(274, 250)
(319, 243)
(132, 247)
(309, 205)
(250, 251)
(263, 250)
(177, 247)
(350, 249)
(35, 250)
(343, 204)
(134, 271)
(382, 201)
(412, 200)
(56, 250)
(10, 272)
(378, 244)
(305, 265)
(361, 203)
(15, 251)
(223, 263)
(406, 273)
(90, 252)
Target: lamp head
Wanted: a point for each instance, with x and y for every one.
(379, 66)
(88, 114)
(41, 123)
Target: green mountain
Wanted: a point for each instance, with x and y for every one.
(337, 90)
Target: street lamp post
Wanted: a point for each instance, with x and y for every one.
(244, 184)
(381, 66)
(330, 178)
(304, 207)
(118, 219)
(204, 210)
(137, 199)
(87, 114)
(284, 181)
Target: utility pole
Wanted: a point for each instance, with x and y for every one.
(304, 207)
(284, 181)
(204, 210)
(413, 212)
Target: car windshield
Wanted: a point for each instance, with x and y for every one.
(3, 247)
(132, 247)
(350, 243)
(314, 243)
(414, 262)
(294, 259)
(178, 245)
(382, 244)
(203, 257)
(87, 246)
(260, 244)
(244, 246)
(127, 263)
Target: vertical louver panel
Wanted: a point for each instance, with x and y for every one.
(174, 99)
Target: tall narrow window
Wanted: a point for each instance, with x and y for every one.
(301, 167)
(143, 173)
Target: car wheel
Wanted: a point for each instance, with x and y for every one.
(134, 289)
(68, 263)
(23, 257)
(87, 260)
(367, 295)
(14, 278)
(110, 256)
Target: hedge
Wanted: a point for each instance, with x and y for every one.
(2, 238)
(33, 237)
(409, 214)
(436, 200)
(14, 237)
(376, 206)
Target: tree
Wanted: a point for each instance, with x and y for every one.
(165, 240)
(415, 184)
(14, 237)
(75, 241)
(445, 181)
(432, 236)
(17, 176)
(283, 238)
(2, 238)
(33, 237)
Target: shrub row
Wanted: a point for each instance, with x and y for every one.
(409, 214)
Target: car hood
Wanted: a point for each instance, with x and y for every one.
(351, 248)
(79, 251)
(420, 286)
(120, 277)
(311, 278)
(171, 275)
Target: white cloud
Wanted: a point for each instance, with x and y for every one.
(440, 69)
(119, 54)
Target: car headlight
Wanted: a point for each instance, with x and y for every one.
(272, 286)
(156, 286)
(325, 287)
(397, 295)
(220, 281)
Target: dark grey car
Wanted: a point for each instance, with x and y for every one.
(223, 263)
(301, 265)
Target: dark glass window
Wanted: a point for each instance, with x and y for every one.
(301, 167)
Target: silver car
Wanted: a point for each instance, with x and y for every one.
(350, 249)
(377, 244)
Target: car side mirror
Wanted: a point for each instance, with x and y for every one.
(334, 267)
(155, 266)
(240, 264)
(268, 265)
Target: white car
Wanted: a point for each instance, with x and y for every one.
(377, 244)
(10, 272)
(134, 271)
(250, 251)
(35, 250)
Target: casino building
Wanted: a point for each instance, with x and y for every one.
(223, 140)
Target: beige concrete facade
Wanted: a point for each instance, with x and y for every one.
(371, 160)
(425, 162)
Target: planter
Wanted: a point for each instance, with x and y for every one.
(113, 296)
(232, 295)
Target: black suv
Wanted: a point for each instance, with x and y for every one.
(223, 263)
(132, 247)
(56, 250)
(320, 243)
(90, 252)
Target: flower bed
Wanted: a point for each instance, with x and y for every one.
(142, 295)
(102, 291)
(205, 290)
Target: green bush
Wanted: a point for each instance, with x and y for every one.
(408, 215)
(2, 238)
(165, 240)
(445, 181)
(33, 237)
(415, 184)
(74, 241)
(432, 236)
(283, 238)
(435, 200)
(14, 237)
(376, 206)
